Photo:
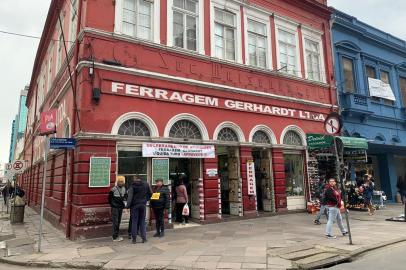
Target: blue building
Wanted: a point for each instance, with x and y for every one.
(370, 68)
(13, 140)
(18, 127)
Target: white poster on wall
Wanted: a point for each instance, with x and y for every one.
(172, 150)
(252, 190)
(378, 88)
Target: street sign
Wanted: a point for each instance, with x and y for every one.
(8, 166)
(18, 166)
(62, 143)
(333, 123)
(48, 122)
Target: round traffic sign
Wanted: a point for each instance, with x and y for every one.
(333, 124)
(18, 165)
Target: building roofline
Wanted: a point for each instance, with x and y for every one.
(352, 23)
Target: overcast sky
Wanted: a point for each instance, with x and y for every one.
(28, 16)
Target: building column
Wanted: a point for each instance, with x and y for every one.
(388, 175)
(212, 195)
(249, 201)
(278, 165)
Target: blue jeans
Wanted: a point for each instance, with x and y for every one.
(323, 210)
(333, 214)
(138, 221)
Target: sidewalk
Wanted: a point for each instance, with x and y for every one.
(280, 242)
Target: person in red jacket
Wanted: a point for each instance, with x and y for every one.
(333, 202)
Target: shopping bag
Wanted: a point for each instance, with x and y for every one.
(185, 211)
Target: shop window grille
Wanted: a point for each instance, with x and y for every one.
(292, 138)
(185, 129)
(228, 135)
(261, 137)
(133, 127)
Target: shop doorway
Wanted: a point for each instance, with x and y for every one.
(190, 171)
(228, 166)
(294, 175)
(264, 185)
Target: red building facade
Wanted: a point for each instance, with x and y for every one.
(248, 79)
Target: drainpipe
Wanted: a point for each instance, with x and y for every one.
(74, 119)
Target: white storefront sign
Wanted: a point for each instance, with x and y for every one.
(378, 88)
(251, 177)
(171, 150)
(211, 172)
(208, 101)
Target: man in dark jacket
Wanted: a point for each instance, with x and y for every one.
(159, 202)
(116, 201)
(138, 195)
(323, 208)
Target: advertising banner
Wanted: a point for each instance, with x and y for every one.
(48, 122)
(171, 150)
(378, 88)
(251, 177)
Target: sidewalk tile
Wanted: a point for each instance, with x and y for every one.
(205, 265)
(209, 258)
(254, 265)
(228, 265)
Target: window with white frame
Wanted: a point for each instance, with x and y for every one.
(73, 22)
(50, 58)
(313, 63)
(287, 51)
(185, 24)
(224, 34)
(137, 18)
(257, 43)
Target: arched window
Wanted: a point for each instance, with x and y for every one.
(396, 140)
(185, 129)
(134, 127)
(356, 135)
(228, 135)
(292, 138)
(379, 138)
(261, 137)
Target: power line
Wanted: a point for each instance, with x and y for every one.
(28, 36)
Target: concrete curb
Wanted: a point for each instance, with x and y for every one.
(351, 256)
(76, 265)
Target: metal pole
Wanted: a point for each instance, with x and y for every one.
(43, 192)
(343, 195)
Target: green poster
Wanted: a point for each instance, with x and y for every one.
(160, 169)
(99, 172)
(318, 141)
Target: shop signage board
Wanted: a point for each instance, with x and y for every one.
(251, 177)
(160, 170)
(170, 150)
(211, 172)
(99, 172)
(354, 143)
(378, 88)
(62, 143)
(318, 141)
(48, 122)
(139, 91)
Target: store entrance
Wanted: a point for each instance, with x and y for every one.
(264, 187)
(190, 171)
(228, 166)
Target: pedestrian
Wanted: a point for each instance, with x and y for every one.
(138, 196)
(368, 191)
(333, 202)
(117, 204)
(159, 202)
(323, 207)
(401, 185)
(5, 192)
(181, 200)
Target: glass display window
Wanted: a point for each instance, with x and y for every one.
(294, 174)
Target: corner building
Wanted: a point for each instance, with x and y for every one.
(247, 79)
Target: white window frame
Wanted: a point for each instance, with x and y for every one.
(235, 9)
(315, 36)
(59, 48)
(49, 67)
(263, 18)
(73, 22)
(291, 27)
(199, 28)
(155, 20)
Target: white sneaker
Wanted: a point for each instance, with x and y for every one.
(118, 239)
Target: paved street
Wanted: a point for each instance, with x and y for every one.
(16, 267)
(278, 242)
(390, 258)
